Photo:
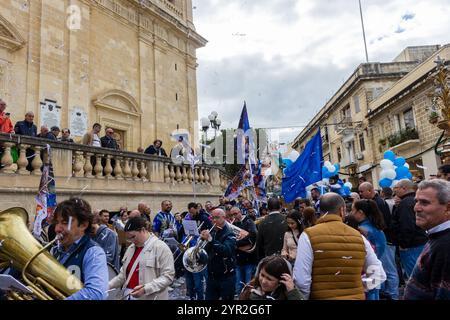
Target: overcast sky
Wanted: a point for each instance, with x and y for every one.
(286, 58)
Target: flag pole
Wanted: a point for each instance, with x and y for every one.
(363, 30)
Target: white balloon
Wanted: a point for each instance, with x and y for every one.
(386, 164)
(349, 185)
(394, 183)
(293, 155)
(391, 174)
(407, 165)
(328, 164)
(383, 174)
(331, 168)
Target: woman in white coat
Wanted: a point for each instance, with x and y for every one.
(148, 267)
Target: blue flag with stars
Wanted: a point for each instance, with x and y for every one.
(305, 171)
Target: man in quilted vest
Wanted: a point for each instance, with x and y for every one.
(332, 257)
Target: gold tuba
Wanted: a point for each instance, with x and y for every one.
(41, 272)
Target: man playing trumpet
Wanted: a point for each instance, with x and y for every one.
(194, 281)
(221, 249)
(246, 258)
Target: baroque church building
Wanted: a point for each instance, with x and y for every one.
(126, 64)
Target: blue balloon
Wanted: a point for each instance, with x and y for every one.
(402, 173)
(409, 176)
(389, 155)
(337, 167)
(347, 191)
(399, 162)
(385, 183)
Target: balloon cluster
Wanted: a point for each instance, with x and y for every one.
(347, 189)
(393, 169)
(329, 170)
(334, 185)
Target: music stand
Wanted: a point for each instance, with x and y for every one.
(172, 243)
(9, 283)
(190, 228)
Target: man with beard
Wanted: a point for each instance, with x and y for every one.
(164, 222)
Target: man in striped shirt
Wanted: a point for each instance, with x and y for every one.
(164, 222)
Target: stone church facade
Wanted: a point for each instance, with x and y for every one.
(127, 64)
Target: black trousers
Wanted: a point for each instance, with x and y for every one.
(221, 288)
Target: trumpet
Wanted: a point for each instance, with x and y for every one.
(238, 232)
(241, 234)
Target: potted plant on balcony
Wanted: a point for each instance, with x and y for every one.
(433, 117)
(403, 136)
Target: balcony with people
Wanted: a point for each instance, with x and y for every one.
(97, 165)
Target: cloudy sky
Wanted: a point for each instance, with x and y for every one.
(286, 58)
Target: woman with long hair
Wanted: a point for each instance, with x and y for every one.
(273, 281)
(371, 225)
(295, 224)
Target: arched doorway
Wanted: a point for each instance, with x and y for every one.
(120, 111)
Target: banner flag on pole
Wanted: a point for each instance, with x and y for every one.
(45, 199)
(305, 171)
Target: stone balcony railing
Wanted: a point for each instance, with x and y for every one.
(85, 170)
(165, 5)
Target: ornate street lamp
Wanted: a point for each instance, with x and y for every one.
(205, 126)
(215, 122)
(440, 108)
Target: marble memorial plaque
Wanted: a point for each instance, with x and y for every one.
(78, 122)
(50, 114)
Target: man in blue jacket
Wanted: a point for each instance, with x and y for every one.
(194, 281)
(221, 249)
(77, 251)
(26, 127)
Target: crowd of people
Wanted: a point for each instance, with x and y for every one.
(376, 244)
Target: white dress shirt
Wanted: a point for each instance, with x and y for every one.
(373, 268)
(439, 228)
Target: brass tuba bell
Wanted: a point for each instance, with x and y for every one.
(41, 272)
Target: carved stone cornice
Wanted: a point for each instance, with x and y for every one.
(10, 37)
(153, 19)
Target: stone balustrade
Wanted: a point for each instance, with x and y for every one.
(102, 173)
